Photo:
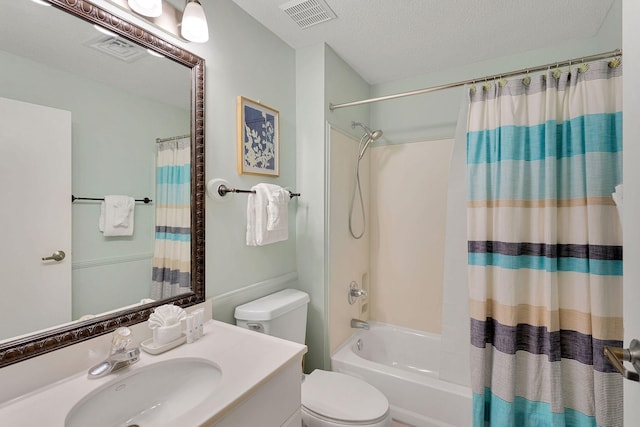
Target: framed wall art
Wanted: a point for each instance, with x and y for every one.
(258, 138)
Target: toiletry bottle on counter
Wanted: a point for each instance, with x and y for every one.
(189, 331)
(199, 322)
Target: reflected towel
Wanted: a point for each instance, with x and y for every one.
(116, 216)
(258, 233)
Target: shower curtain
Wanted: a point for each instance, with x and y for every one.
(172, 249)
(544, 155)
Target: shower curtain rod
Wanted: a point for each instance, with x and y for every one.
(590, 58)
(173, 138)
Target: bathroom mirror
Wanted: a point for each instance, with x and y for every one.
(187, 95)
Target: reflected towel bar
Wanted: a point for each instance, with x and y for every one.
(223, 190)
(146, 200)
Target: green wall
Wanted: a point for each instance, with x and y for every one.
(113, 152)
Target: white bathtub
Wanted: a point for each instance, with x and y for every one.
(403, 364)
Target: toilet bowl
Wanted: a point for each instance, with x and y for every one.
(329, 399)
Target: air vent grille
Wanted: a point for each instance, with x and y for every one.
(117, 47)
(307, 13)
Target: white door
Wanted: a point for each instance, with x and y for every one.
(35, 217)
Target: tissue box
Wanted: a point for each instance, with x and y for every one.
(165, 334)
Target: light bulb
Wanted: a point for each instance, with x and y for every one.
(194, 23)
(151, 8)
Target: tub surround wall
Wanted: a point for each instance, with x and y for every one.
(348, 257)
(408, 218)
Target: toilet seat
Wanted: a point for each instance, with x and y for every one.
(342, 399)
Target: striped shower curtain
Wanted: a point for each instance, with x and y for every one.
(172, 250)
(545, 248)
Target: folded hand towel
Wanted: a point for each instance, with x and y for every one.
(278, 210)
(257, 217)
(116, 216)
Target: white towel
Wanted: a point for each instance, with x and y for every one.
(116, 216)
(258, 233)
(278, 210)
(618, 198)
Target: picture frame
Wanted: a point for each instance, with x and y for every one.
(258, 138)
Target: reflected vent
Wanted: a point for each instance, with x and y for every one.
(118, 48)
(307, 13)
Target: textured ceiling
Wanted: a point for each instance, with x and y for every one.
(386, 40)
(56, 39)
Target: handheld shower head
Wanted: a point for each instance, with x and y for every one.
(366, 139)
(375, 135)
(371, 136)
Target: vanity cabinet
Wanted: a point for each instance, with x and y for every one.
(273, 404)
(259, 383)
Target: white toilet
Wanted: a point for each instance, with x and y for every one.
(329, 399)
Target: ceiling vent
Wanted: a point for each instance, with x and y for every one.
(117, 47)
(307, 13)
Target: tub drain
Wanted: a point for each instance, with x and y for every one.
(359, 344)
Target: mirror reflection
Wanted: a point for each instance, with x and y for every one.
(91, 115)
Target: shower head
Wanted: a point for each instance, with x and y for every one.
(371, 136)
(375, 135)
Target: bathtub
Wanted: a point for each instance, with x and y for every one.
(403, 364)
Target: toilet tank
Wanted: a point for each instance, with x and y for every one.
(282, 314)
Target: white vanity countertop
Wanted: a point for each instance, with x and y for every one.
(247, 360)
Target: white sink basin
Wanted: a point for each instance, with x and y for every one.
(149, 396)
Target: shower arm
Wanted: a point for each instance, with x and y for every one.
(618, 355)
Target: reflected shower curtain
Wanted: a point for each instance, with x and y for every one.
(545, 248)
(172, 251)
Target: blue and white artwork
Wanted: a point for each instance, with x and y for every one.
(259, 139)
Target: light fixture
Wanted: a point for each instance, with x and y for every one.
(41, 2)
(194, 22)
(151, 8)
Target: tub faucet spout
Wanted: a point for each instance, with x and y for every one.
(361, 324)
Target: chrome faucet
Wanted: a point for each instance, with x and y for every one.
(119, 357)
(361, 324)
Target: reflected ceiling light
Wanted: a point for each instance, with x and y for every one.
(154, 53)
(104, 31)
(194, 23)
(151, 8)
(41, 2)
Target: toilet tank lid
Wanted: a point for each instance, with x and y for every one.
(272, 306)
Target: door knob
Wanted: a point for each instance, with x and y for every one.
(56, 256)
